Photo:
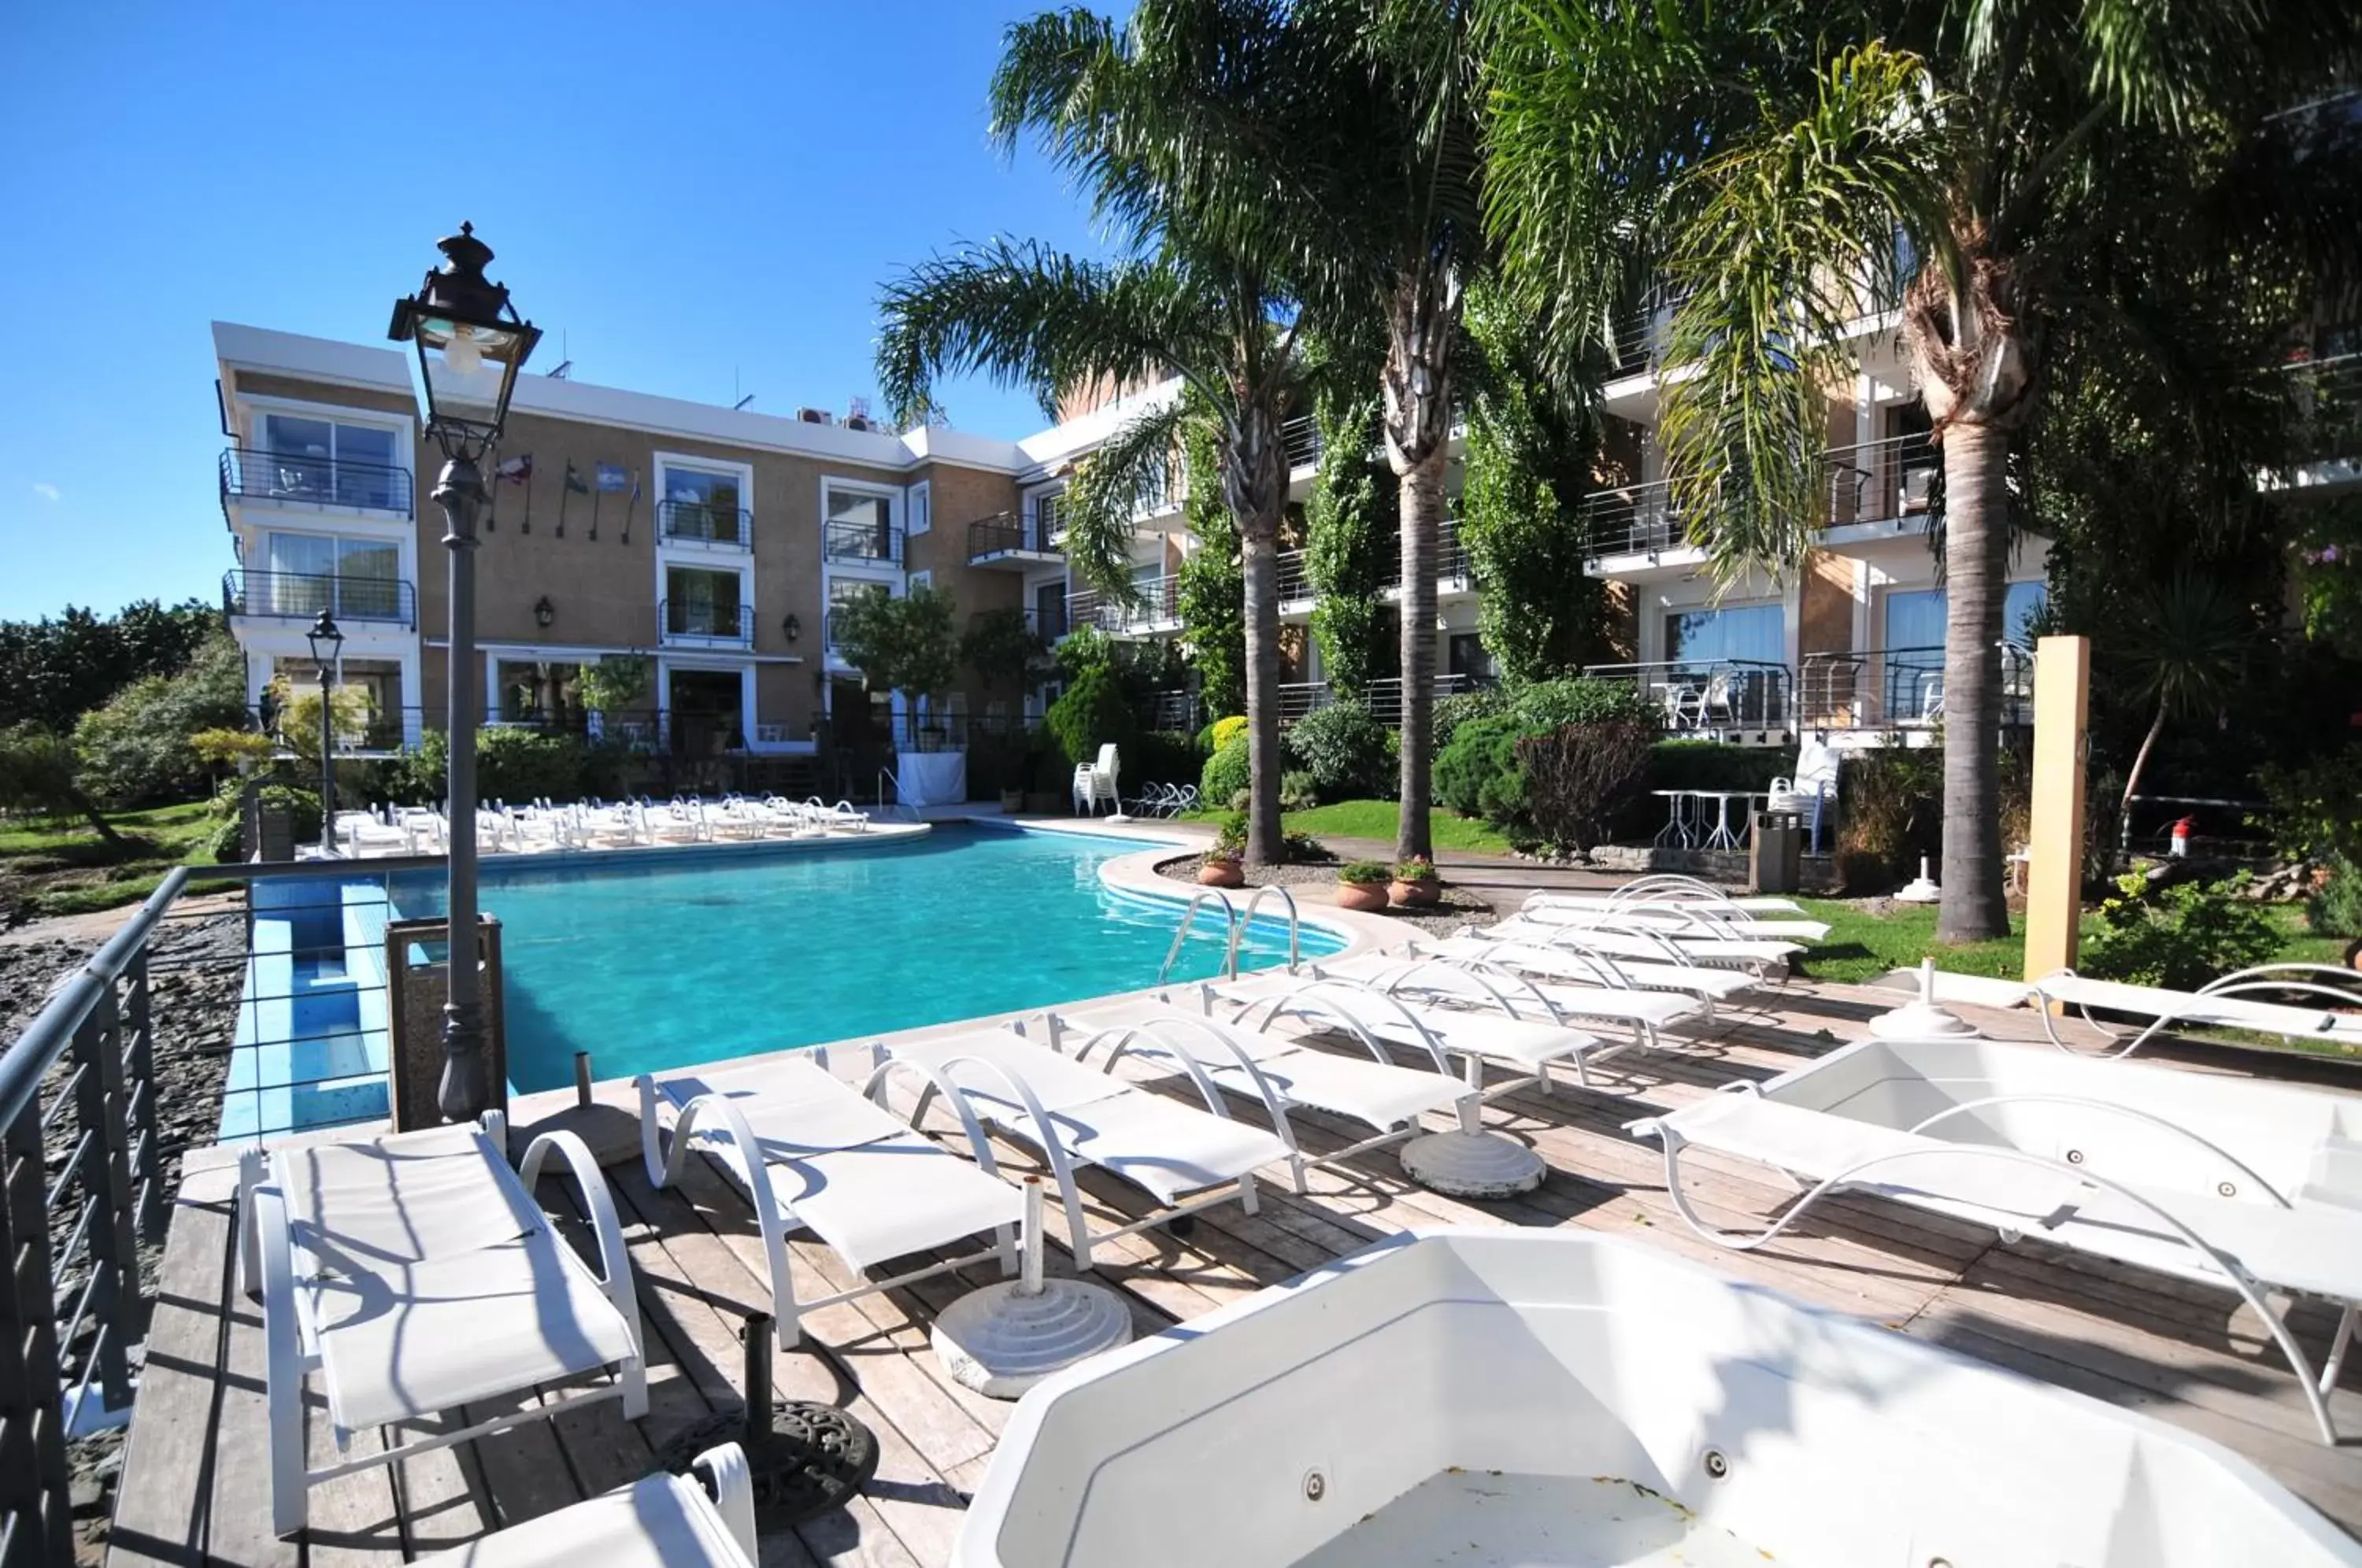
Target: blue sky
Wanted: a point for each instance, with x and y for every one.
(689, 198)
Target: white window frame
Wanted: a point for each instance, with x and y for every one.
(736, 564)
(918, 509)
(254, 408)
(743, 472)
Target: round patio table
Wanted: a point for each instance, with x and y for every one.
(1722, 837)
(1675, 831)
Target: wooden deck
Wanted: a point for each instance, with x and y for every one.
(195, 1487)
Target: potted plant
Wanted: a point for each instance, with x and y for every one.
(1362, 885)
(1415, 883)
(1224, 864)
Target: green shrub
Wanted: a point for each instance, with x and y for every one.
(1449, 713)
(1547, 704)
(1480, 750)
(1231, 835)
(1296, 792)
(1343, 749)
(519, 765)
(2316, 811)
(1579, 775)
(1364, 873)
(1088, 714)
(1303, 849)
(2335, 908)
(1224, 775)
(227, 845)
(2178, 937)
(1222, 733)
(1718, 765)
(1890, 810)
(137, 747)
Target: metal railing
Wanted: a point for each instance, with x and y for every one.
(1900, 687)
(705, 522)
(1301, 439)
(250, 473)
(1004, 533)
(861, 541)
(1869, 481)
(302, 595)
(1158, 606)
(1630, 520)
(83, 1073)
(1171, 709)
(706, 621)
(1708, 695)
(1451, 570)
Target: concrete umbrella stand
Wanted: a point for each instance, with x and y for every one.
(1004, 1338)
(1471, 1161)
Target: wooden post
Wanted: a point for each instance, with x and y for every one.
(2054, 876)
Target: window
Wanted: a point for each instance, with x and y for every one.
(1045, 518)
(920, 506)
(923, 579)
(703, 603)
(842, 592)
(859, 526)
(1754, 633)
(701, 504)
(305, 573)
(1468, 659)
(543, 691)
(1050, 610)
(327, 460)
(1917, 620)
(380, 680)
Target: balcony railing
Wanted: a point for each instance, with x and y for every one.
(1049, 629)
(253, 474)
(1708, 695)
(1894, 480)
(1300, 439)
(1630, 520)
(705, 620)
(703, 522)
(1381, 698)
(302, 595)
(864, 542)
(1296, 585)
(1158, 606)
(1900, 687)
(1004, 533)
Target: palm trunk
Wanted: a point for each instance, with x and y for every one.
(1423, 514)
(1259, 557)
(2140, 764)
(1976, 548)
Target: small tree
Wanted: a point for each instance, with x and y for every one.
(298, 721)
(615, 683)
(38, 774)
(1005, 651)
(1578, 776)
(904, 644)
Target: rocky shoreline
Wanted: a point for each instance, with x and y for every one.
(196, 968)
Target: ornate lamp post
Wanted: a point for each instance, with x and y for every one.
(471, 344)
(326, 644)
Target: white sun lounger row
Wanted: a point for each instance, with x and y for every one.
(1678, 917)
(2246, 1186)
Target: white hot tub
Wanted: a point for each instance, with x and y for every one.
(1542, 1400)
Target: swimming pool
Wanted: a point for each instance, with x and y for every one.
(654, 961)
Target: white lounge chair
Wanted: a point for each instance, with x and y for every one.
(1667, 887)
(1405, 1018)
(1620, 940)
(1493, 988)
(660, 1521)
(1679, 916)
(2234, 1001)
(810, 1152)
(2248, 1185)
(1580, 963)
(416, 1274)
(1184, 1158)
(1282, 1074)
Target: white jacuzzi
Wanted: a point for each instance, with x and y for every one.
(1534, 1400)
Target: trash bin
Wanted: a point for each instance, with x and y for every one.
(1775, 853)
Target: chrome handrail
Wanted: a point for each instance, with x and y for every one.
(1188, 918)
(1246, 920)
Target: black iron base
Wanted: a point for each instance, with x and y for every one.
(814, 1458)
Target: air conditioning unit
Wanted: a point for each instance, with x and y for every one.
(815, 416)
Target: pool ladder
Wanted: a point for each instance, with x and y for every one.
(1239, 923)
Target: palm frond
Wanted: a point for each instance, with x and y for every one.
(1780, 235)
(1106, 494)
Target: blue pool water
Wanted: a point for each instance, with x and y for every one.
(651, 964)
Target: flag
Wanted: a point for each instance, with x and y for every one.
(575, 485)
(516, 470)
(610, 478)
(632, 506)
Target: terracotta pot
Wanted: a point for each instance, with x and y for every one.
(1221, 874)
(1370, 897)
(1425, 893)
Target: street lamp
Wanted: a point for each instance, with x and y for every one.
(471, 344)
(326, 644)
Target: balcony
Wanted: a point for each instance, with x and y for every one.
(1383, 699)
(1730, 698)
(299, 596)
(705, 624)
(1300, 439)
(1158, 608)
(1901, 689)
(250, 473)
(861, 544)
(1297, 590)
(704, 523)
(1010, 540)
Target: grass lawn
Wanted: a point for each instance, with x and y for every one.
(1863, 946)
(62, 868)
(1379, 820)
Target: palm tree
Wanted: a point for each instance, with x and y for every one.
(1979, 133)
(2185, 652)
(1202, 293)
